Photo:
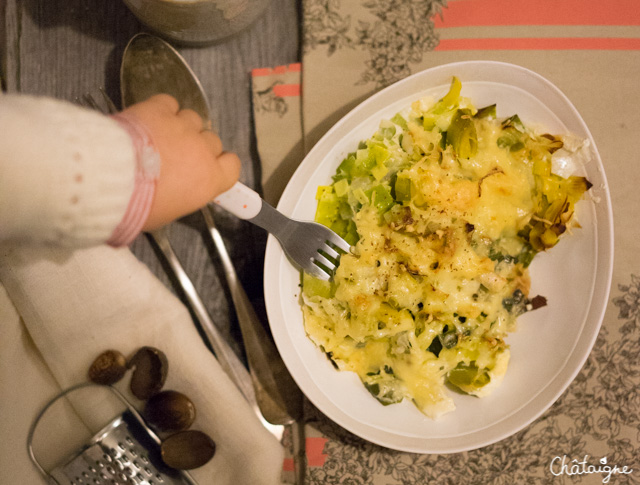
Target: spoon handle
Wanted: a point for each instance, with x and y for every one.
(227, 358)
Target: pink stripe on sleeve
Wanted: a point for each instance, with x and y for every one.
(146, 176)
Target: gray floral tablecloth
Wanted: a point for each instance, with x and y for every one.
(591, 51)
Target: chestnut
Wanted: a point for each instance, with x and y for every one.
(150, 372)
(170, 411)
(188, 449)
(108, 368)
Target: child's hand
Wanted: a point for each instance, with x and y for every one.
(194, 168)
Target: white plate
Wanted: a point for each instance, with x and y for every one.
(551, 344)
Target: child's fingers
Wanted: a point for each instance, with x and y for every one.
(213, 142)
(191, 119)
(225, 172)
(165, 102)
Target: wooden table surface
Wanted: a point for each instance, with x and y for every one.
(64, 48)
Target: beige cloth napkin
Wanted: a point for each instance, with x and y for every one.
(277, 112)
(591, 51)
(59, 309)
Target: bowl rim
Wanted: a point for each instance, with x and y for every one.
(274, 260)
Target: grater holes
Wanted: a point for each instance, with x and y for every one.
(159, 477)
(148, 471)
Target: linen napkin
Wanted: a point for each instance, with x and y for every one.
(591, 51)
(60, 309)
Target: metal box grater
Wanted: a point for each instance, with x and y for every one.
(126, 451)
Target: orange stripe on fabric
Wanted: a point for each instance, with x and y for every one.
(287, 465)
(262, 71)
(286, 90)
(314, 448)
(557, 43)
(267, 71)
(466, 13)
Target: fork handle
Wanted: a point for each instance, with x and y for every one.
(241, 201)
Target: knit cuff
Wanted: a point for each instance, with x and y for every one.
(146, 177)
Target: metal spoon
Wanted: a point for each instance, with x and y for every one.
(151, 66)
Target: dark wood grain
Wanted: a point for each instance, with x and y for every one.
(64, 48)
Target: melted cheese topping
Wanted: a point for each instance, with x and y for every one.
(434, 282)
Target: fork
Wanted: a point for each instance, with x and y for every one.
(314, 248)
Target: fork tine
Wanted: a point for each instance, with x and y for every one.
(110, 106)
(317, 272)
(330, 251)
(321, 259)
(106, 105)
(90, 102)
(336, 241)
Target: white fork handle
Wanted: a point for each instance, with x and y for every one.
(241, 201)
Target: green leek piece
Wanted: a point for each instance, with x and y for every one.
(341, 187)
(387, 129)
(488, 112)
(451, 99)
(379, 171)
(576, 187)
(444, 108)
(312, 286)
(555, 210)
(380, 198)
(514, 122)
(322, 190)
(403, 189)
(549, 238)
(361, 196)
(385, 396)
(462, 135)
(379, 154)
(541, 167)
(328, 205)
(468, 377)
(400, 121)
(345, 169)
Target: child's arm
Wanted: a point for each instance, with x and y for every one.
(74, 177)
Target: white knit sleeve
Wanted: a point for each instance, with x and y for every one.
(66, 173)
